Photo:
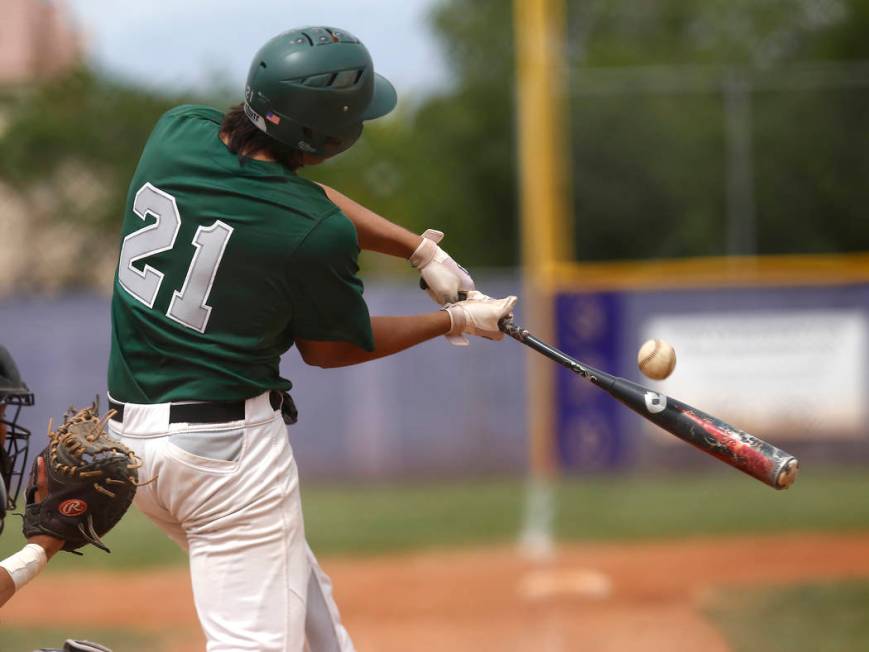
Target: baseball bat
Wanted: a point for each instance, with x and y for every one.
(733, 446)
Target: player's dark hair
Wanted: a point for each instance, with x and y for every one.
(245, 139)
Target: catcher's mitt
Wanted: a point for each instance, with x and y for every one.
(91, 481)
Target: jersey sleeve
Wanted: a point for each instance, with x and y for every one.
(326, 292)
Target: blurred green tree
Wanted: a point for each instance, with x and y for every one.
(81, 122)
(653, 161)
(644, 162)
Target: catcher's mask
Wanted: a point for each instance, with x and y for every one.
(14, 394)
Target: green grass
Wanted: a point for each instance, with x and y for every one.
(18, 639)
(402, 517)
(368, 520)
(810, 618)
(721, 503)
(600, 508)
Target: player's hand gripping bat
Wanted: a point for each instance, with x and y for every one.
(732, 446)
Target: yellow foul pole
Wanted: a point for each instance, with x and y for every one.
(539, 28)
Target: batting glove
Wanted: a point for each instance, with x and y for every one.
(442, 277)
(479, 315)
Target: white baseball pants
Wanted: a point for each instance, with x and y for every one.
(229, 494)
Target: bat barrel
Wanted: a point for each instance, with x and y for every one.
(732, 446)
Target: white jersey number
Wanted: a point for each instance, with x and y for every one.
(189, 304)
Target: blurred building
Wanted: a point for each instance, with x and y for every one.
(37, 39)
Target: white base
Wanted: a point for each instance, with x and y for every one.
(536, 542)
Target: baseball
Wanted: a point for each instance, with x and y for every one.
(656, 359)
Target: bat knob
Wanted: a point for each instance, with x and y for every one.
(788, 474)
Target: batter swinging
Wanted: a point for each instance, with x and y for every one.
(227, 259)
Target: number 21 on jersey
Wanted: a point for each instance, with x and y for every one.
(189, 305)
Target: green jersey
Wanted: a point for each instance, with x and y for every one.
(224, 262)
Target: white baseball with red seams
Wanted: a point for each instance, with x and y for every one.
(656, 359)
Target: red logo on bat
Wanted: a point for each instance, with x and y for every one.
(73, 507)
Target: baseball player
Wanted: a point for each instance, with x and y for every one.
(18, 569)
(23, 566)
(227, 259)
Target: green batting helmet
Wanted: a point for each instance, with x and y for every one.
(311, 88)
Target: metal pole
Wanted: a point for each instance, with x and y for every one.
(741, 225)
(539, 27)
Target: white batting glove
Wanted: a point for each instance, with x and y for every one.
(443, 278)
(479, 315)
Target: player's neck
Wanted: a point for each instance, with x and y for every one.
(257, 156)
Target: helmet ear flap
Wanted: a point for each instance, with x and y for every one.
(334, 145)
(307, 139)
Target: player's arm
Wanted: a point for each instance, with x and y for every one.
(331, 325)
(391, 335)
(478, 315)
(20, 568)
(444, 278)
(375, 233)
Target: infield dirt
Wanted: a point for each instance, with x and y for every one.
(601, 597)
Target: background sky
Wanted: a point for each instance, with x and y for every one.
(194, 43)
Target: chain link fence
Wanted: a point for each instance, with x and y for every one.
(683, 161)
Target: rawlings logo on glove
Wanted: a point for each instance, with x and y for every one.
(90, 482)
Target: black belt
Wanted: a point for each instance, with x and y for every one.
(217, 411)
(209, 412)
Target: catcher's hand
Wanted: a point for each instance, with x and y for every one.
(91, 480)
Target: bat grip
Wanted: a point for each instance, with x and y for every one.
(509, 327)
(424, 286)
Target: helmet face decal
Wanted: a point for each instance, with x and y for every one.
(255, 118)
